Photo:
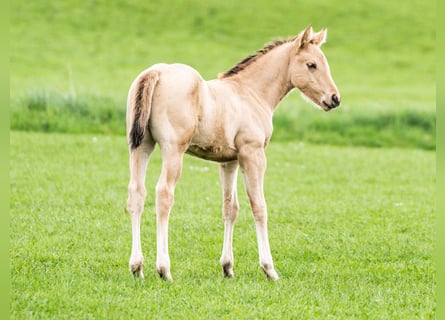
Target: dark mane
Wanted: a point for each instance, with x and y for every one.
(248, 60)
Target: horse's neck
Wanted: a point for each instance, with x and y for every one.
(268, 78)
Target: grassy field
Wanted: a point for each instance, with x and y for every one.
(352, 232)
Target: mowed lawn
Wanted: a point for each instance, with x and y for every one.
(351, 231)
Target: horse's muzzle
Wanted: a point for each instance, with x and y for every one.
(334, 103)
(335, 100)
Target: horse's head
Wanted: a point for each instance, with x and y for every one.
(309, 70)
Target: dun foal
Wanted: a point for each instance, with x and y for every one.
(227, 120)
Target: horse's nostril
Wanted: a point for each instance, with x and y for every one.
(335, 100)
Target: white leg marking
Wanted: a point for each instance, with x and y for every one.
(228, 174)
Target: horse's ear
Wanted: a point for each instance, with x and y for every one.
(320, 37)
(304, 38)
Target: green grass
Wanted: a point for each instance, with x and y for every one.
(81, 58)
(351, 231)
(49, 112)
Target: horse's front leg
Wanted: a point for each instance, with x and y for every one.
(253, 165)
(172, 158)
(228, 173)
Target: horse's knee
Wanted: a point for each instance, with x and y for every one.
(259, 212)
(136, 198)
(164, 198)
(230, 208)
(232, 213)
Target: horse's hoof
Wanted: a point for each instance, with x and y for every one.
(164, 274)
(227, 270)
(138, 274)
(136, 270)
(270, 272)
(272, 275)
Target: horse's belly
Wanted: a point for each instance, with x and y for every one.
(212, 153)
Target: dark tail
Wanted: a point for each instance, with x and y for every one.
(141, 104)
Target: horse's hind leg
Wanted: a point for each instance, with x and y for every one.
(172, 156)
(135, 203)
(228, 174)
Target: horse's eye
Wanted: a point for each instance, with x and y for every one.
(311, 65)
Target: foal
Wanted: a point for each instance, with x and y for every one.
(227, 120)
